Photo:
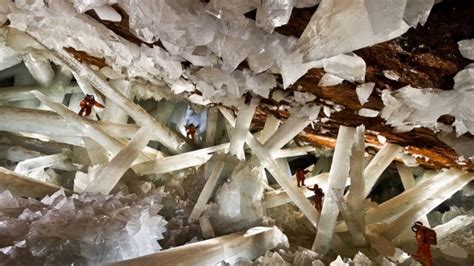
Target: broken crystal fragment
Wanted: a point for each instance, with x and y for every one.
(249, 244)
(363, 92)
(329, 79)
(466, 47)
(390, 74)
(368, 112)
(348, 67)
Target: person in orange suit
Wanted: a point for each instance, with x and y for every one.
(87, 104)
(424, 238)
(318, 197)
(300, 177)
(191, 130)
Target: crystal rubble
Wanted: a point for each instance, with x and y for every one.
(89, 229)
(229, 248)
(336, 184)
(273, 14)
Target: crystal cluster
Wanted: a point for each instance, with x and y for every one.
(85, 229)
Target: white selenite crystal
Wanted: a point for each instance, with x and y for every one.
(350, 67)
(368, 112)
(293, 67)
(244, 118)
(303, 97)
(108, 13)
(453, 250)
(403, 202)
(355, 196)
(273, 14)
(104, 179)
(207, 190)
(23, 186)
(249, 244)
(422, 208)
(466, 47)
(390, 74)
(364, 91)
(417, 12)
(167, 137)
(306, 3)
(265, 156)
(84, 5)
(337, 181)
(178, 162)
(111, 144)
(206, 227)
(92, 228)
(329, 79)
(378, 164)
(331, 29)
(409, 107)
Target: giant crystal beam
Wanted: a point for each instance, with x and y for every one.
(49, 123)
(399, 204)
(207, 190)
(249, 245)
(337, 181)
(424, 207)
(244, 118)
(331, 29)
(106, 177)
(379, 163)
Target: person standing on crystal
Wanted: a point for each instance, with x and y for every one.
(191, 131)
(424, 238)
(86, 105)
(300, 177)
(318, 197)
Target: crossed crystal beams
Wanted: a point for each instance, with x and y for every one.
(164, 135)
